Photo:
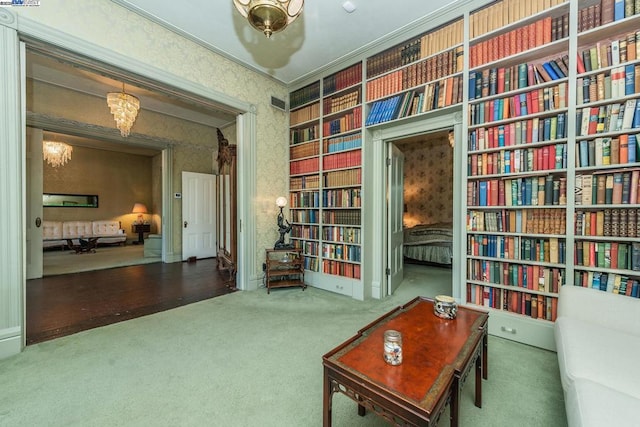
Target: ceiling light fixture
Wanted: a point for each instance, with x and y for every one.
(56, 153)
(124, 108)
(269, 16)
(348, 6)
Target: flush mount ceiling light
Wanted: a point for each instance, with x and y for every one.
(124, 108)
(269, 16)
(56, 153)
(348, 6)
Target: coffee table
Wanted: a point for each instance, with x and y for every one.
(438, 355)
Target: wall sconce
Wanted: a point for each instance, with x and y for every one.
(451, 139)
(284, 226)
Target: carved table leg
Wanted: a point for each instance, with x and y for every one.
(326, 401)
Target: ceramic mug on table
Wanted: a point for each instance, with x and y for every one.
(445, 307)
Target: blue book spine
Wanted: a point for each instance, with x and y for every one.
(472, 85)
(507, 161)
(636, 116)
(550, 71)
(631, 149)
(629, 79)
(482, 193)
(618, 10)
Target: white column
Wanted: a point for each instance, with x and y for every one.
(12, 227)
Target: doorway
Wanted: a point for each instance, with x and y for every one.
(427, 211)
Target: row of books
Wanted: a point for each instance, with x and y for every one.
(522, 249)
(440, 94)
(530, 191)
(343, 198)
(341, 143)
(311, 264)
(503, 13)
(304, 182)
(605, 151)
(526, 304)
(304, 95)
(304, 216)
(434, 68)
(608, 189)
(620, 284)
(309, 133)
(346, 159)
(304, 150)
(341, 217)
(342, 79)
(341, 252)
(522, 104)
(608, 118)
(518, 40)
(608, 223)
(342, 102)
(616, 83)
(342, 234)
(418, 48)
(615, 255)
(349, 121)
(304, 199)
(532, 277)
(537, 129)
(305, 232)
(342, 178)
(304, 114)
(605, 12)
(524, 221)
(307, 166)
(606, 54)
(341, 269)
(497, 80)
(521, 160)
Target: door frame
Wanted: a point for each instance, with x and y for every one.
(374, 259)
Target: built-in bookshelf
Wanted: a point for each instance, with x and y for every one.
(607, 167)
(550, 158)
(326, 179)
(517, 161)
(418, 76)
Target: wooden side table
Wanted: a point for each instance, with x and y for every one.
(285, 269)
(140, 229)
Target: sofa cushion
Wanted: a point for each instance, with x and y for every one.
(603, 355)
(51, 230)
(75, 229)
(106, 228)
(595, 405)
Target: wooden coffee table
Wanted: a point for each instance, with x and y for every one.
(438, 355)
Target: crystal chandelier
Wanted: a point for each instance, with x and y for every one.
(269, 16)
(124, 108)
(56, 153)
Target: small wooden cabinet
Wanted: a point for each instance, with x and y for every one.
(284, 269)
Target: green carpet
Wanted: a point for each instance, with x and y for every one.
(244, 359)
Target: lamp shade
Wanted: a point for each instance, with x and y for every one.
(139, 208)
(281, 202)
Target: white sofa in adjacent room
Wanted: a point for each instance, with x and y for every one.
(597, 337)
(56, 233)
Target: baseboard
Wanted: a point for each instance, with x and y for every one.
(10, 346)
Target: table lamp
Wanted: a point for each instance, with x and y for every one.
(283, 225)
(140, 209)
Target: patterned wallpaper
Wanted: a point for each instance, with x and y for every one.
(115, 28)
(428, 179)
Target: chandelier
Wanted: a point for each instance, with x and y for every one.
(124, 108)
(56, 153)
(269, 16)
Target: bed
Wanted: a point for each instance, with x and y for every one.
(429, 244)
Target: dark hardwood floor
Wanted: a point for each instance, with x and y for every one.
(63, 305)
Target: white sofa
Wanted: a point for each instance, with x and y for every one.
(56, 233)
(597, 337)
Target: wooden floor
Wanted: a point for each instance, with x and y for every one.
(66, 304)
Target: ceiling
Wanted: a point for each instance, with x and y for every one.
(324, 32)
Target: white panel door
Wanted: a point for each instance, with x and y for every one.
(33, 221)
(198, 215)
(395, 209)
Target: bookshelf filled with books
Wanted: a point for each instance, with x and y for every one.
(607, 167)
(517, 158)
(326, 198)
(420, 75)
(304, 170)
